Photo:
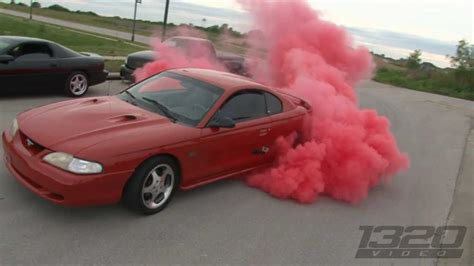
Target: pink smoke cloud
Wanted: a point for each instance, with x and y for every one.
(350, 150)
(168, 57)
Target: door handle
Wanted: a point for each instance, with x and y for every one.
(262, 150)
(264, 132)
(54, 64)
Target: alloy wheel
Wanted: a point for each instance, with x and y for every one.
(78, 84)
(158, 186)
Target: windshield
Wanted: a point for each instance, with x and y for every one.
(192, 48)
(4, 44)
(180, 98)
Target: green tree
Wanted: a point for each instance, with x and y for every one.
(464, 58)
(12, 2)
(223, 28)
(57, 7)
(463, 61)
(213, 29)
(36, 5)
(414, 60)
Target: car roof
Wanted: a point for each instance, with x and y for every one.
(19, 39)
(224, 80)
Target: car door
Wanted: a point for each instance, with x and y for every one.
(284, 123)
(33, 67)
(8, 77)
(229, 150)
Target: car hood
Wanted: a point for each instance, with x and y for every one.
(73, 126)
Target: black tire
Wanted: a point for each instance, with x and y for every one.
(77, 84)
(134, 195)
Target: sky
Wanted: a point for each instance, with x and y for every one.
(392, 27)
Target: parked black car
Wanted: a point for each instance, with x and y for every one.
(193, 47)
(40, 64)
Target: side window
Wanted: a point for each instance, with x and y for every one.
(274, 105)
(15, 51)
(33, 57)
(244, 106)
(32, 51)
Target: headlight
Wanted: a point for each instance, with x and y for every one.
(14, 127)
(69, 163)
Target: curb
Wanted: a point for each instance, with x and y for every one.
(114, 76)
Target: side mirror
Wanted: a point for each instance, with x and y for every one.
(5, 59)
(221, 122)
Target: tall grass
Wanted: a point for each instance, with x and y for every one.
(449, 82)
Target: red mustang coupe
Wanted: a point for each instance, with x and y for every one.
(181, 128)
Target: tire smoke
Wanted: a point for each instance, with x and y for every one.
(169, 57)
(350, 150)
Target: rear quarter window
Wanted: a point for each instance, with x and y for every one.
(244, 106)
(274, 105)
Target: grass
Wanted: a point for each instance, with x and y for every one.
(113, 65)
(447, 82)
(143, 27)
(146, 28)
(76, 40)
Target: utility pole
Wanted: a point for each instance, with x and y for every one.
(135, 18)
(31, 9)
(165, 21)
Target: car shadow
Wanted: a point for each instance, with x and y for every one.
(28, 93)
(104, 89)
(208, 188)
(47, 209)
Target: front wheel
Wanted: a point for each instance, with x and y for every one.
(152, 186)
(77, 84)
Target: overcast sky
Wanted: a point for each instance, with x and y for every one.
(431, 25)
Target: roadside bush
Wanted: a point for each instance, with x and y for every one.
(465, 77)
(452, 83)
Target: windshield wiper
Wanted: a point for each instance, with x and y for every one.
(162, 108)
(132, 99)
(130, 94)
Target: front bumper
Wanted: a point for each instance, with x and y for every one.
(56, 185)
(127, 73)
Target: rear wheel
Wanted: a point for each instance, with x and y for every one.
(77, 84)
(152, 186)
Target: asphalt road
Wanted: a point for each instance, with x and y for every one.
(230, 223)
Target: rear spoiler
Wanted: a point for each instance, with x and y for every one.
(296, 100)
